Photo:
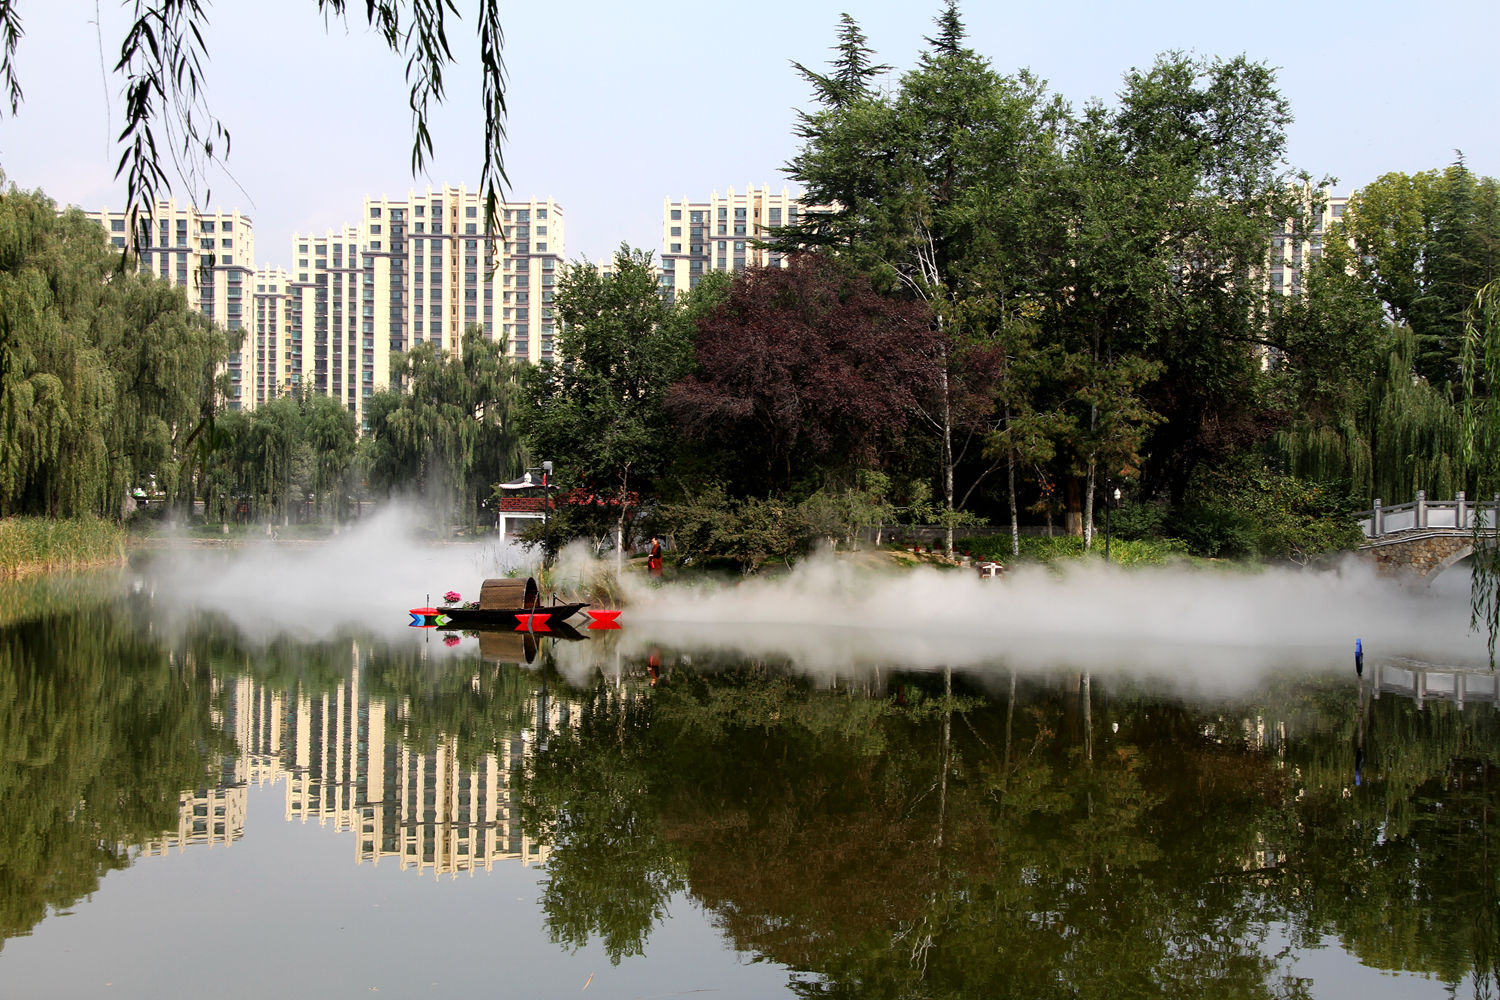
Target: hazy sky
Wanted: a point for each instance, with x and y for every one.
(616, 106)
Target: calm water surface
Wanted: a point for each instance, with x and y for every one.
(192, 807)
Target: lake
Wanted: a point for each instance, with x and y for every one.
(242, 774)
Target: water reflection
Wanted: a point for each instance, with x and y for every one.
(875, 830)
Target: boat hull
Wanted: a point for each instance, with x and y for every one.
(539, 616)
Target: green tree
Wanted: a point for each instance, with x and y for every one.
(934, 190)
(1424, 244)
(105, 379)
(1173, 198)
(1481, 443)
(448, 429)
(597, 409)
(330, 431)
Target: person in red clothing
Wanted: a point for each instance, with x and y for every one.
(653, 561)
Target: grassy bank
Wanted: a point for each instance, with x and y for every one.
(1064, 548)
(42, 545)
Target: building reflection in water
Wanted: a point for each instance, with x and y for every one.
(427, 808)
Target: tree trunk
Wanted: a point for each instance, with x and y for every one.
(1073, 512)
(1010, 478)
(1015, 514)
(1088, 497)
(1088, 510)
(620, 524)
(947, 464)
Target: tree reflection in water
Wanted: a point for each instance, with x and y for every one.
(922, 836)
(903, 834)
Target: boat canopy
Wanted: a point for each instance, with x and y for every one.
(508, 594)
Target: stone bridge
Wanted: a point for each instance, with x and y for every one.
(1425, 537)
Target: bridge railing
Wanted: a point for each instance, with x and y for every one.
(1422, 514)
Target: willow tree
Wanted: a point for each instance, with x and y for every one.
(104, 376)
(1481, 367)
(450, 434)
(163, 63)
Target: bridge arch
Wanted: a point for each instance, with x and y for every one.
(1426, 537)
(1462, 555)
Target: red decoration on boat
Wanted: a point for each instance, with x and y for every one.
(603, 619)
(532, 622)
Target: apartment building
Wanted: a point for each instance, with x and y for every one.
(720, 234)
(273, 347)
(339, 353)
(421, 269)
(1291, 252)
(448, 272)
(412, 269)
(211, 255)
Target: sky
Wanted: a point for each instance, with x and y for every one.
(615, 107)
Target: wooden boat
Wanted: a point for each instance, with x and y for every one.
(502, 602)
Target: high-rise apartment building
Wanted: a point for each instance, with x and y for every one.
(273, 348)
(340, 353)
(211, 255)
(422, 268)
(417, 269)
(719, 234)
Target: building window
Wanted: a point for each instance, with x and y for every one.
(677, 248)
(541, 213)
(676, 230)
(676, 215)
(374, 211)
(541, 248)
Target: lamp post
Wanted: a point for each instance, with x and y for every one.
(1107, 506)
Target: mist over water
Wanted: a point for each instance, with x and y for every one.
(368, 576)
(1208, 628)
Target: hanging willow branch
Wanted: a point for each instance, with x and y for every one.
(169, 127)
(1481, 366)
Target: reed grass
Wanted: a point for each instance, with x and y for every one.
(44, 545)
